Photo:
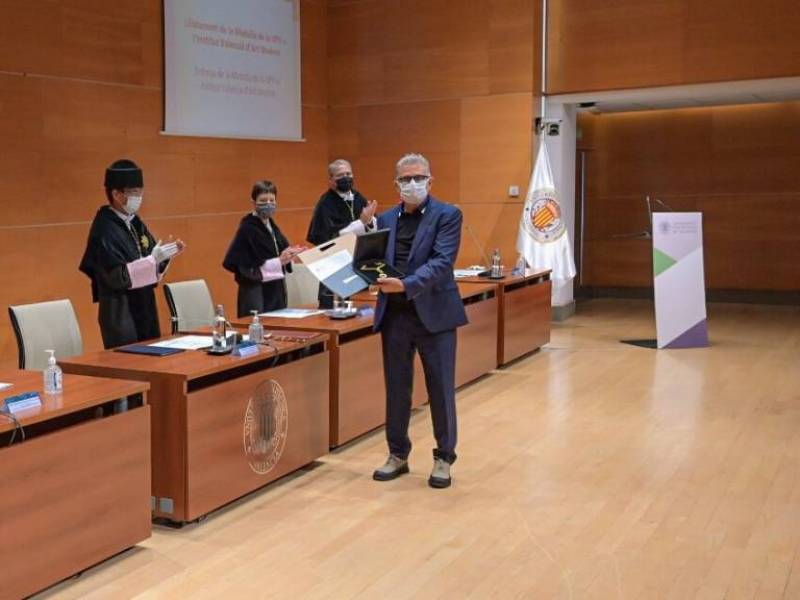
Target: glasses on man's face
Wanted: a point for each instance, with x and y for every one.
(415, 178)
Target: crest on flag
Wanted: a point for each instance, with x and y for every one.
(542, 218)
(543, 239)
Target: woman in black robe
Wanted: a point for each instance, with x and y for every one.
(260, 255)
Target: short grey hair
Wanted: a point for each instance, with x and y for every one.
(339, 162)
(412, 159)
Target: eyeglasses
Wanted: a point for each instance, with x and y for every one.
(415, 178)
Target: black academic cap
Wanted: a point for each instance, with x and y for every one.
(123, 174)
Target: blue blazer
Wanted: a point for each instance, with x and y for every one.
(429, 277)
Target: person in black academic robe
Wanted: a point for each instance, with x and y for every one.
(124, 261)
(260, 255)
(341, 209)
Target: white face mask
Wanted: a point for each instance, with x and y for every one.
(133, 205)
(413, 192)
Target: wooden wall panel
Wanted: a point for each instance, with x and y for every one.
(738, 165)
(462, 94)
(373, 58)
(91, 93)
(488, 226)
(512, 31)
(494, 146)
(643, 43)
(83, 39)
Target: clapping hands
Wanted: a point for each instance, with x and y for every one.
(290, 254)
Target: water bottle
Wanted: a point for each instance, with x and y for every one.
(53, 377)
(219, 340)
(521, 266)
(497, 267)
(256, 329)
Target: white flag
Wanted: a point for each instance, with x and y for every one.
(543, 239)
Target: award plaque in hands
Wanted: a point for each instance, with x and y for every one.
(369, 260)
(373, 270)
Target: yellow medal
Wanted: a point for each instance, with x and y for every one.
(378, 268)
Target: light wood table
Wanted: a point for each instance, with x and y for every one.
(76, 491)
(357, 389)
(524, 312)
(216, 435)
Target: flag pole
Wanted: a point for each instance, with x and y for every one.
(544, 65)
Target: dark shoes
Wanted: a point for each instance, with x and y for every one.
(392, 469)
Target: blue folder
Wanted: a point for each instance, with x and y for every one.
(149, 350)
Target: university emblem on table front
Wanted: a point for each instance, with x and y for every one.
(543, 217)
(266, 424)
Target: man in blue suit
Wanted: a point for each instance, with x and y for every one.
(420, 312)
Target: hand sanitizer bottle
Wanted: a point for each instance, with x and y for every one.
(219, 339)
(53, 377)
(256, 330)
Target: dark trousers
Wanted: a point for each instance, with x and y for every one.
(263, 297)
(403, 335)
(128, 317)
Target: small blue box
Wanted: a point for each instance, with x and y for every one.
(20, 402)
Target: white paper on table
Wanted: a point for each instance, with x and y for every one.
(5, 386)
(186, 342)
(292, 313)
(325, 267)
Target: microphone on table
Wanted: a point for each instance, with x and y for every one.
(481, 249)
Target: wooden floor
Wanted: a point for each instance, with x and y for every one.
(589, 470)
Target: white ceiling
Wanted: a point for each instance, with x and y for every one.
(685, 96)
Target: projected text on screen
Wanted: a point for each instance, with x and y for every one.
(232, 69)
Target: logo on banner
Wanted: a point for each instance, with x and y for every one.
(542, 218)
(266, 424)
(664, 227)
